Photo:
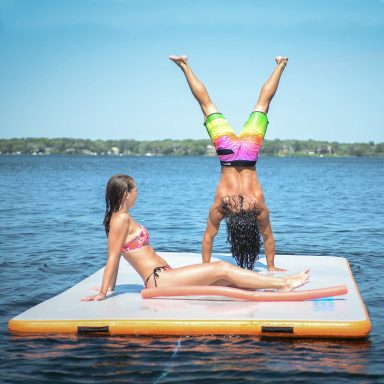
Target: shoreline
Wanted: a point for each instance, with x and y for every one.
(186, 147)
(378, 156)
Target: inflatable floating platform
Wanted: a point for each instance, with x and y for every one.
(329, 306)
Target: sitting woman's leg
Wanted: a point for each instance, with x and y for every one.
(197, 87)
(209, 273)
(270, 86)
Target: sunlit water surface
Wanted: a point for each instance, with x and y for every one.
(51, 237)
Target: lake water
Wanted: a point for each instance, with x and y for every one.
(51, 237)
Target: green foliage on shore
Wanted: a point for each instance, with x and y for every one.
(168, 147)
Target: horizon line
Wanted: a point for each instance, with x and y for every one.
(185, 139)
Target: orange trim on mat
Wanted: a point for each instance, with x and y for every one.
(356, 329)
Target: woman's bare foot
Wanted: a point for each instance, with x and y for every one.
(181, 60)
(295, 281)
(281, 60)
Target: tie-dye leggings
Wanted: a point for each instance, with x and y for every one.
(242, 149)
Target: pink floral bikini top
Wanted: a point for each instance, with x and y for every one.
(141, 240)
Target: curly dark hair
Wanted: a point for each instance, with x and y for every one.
(243, 234)
(116, 187)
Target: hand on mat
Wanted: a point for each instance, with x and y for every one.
(275, 269)
(97, 297)
(99, 288)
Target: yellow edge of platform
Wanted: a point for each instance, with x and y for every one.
(357, 329)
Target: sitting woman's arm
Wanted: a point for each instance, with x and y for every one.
(118, 230)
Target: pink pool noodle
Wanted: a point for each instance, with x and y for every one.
(243, 294)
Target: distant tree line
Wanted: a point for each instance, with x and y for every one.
(168, 147)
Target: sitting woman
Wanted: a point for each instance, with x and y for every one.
(127, 238)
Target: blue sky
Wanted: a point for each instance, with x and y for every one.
(99, 69)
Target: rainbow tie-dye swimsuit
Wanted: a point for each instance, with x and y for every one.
(242, 149)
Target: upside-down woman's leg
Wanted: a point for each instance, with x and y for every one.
(197, 87)
(270, 86)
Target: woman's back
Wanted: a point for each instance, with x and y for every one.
(239, 181)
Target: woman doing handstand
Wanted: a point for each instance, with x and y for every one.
(239, 199)
(128, 238)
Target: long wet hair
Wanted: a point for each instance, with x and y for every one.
(117, 186)
(243, 234)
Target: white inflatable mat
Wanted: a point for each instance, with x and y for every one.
(125, 312)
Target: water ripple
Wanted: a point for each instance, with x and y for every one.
(52, 237)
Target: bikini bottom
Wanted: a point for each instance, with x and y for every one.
(155, 274)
